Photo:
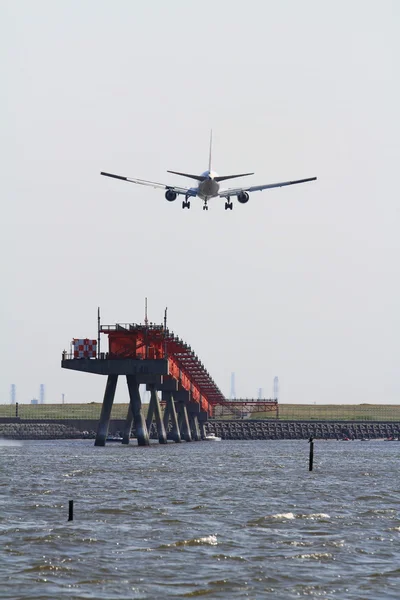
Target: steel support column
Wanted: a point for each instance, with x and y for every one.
(197, 427)
(184, 422)
(194, 427)
(150, 410)
(202, 430)
(109, 393)
(127, 426)
(166, 415)
(162, 437)
(136, 408)
(170, 413)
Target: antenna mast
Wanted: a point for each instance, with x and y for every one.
(146, 325)
(98, 332)
(165, 332)
(276, 388)
(233, 390)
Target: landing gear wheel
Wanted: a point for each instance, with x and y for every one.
(228, 205)
(205, 207)
(186, 204)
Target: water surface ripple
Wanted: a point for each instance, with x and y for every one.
(235, 519)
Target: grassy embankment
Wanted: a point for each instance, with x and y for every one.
(287, 412)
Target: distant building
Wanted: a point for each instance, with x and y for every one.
(34, 401)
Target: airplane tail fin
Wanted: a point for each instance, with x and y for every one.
(210, 153)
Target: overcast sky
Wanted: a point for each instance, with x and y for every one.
(301, 282)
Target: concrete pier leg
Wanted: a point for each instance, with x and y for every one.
(136, 408)
(127, 427)
(102, 428)
(162, 436)
(184, 423)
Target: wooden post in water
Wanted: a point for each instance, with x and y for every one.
(71, 510)
(311, 442)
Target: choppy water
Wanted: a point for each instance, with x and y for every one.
(235, 519)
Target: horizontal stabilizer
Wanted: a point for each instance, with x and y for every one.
(196, 177)
(225, 177)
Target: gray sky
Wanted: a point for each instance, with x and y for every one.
(302, 282)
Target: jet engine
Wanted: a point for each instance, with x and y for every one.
(243, 197)
(170, 195)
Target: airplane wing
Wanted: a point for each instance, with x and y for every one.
(259, 188)
(177, 190)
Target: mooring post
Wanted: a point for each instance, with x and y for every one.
(70, 510)
(137, 412)
(127, 427)
(311, 442)
(102, 428)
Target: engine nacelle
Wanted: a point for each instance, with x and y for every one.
(243, 198)
(170, 195)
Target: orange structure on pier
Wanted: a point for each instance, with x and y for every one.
(154, 342)
(153, 355)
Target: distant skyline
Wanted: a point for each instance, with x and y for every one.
(301, 282)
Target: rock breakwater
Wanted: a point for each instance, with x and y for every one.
(38, 431)
(301, 430)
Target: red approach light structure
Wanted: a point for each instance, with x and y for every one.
(151, 354)
(154, 342)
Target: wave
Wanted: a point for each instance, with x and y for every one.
(210, 540)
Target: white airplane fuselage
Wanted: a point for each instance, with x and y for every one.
(208, 188)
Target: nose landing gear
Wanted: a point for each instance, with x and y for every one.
(205, 207)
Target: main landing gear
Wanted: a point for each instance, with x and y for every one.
(186, 203)
(228, 205)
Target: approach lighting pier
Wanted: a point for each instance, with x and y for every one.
(153, 355)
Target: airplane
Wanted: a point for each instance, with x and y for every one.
(208, 186)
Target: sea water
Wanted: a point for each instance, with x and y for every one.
(229, 519)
